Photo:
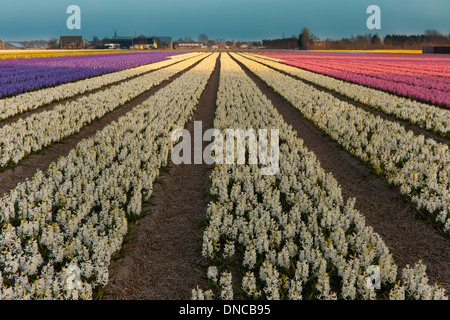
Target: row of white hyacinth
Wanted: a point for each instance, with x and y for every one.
(290, 235)
(424, 115)
(418, 167)
(32, 100)
(31, 134)
(71, 219)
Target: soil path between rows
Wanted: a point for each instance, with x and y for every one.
(408, 237)
(163, 261)
(41, 160)
(406, 124)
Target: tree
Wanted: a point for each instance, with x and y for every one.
(203, 38)
(432, 33)
(104, 41)
(52, 44)
(304, 40)
(376, 40)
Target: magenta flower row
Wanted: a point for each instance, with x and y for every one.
(422, 77)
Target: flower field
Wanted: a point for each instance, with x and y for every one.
(418, 167)
(424, 115)
(35, 132)
(294, 233)
(20, 54)
(39, 243)
(297, 234)
(21, 75)
(407, 75)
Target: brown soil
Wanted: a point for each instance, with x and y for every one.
(161, 263)
(42, 159)
(408, 237)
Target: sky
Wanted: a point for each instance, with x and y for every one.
(239, 20)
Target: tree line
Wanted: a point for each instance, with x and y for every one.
(307, 41)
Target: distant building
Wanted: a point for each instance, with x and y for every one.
(10, 45)
(188, 45)
(71, 42)
(17, 45)
(124, 42)
(112, 46)
(163, 42)
(142, 42)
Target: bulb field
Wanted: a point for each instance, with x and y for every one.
(356, 208)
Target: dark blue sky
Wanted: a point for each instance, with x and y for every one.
(230, 19)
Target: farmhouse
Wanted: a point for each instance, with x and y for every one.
(15, 45)
(112, 46)
(163, 42)
(71, 42)
(123, 42)
(142, 42)
(189, 45)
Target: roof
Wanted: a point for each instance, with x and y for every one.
(124, 38)
(16, 44)
(190, 45)
(163, 38)
(141, 40)
(189, 42)
(73, 38)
